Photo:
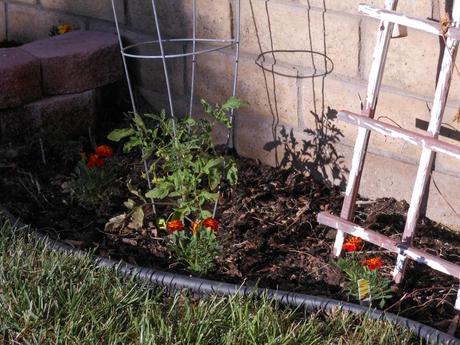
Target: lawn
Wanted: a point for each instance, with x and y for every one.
(53, 298)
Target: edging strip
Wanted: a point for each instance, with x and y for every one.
(206, 287)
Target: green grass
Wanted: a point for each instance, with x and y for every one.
(52, 298)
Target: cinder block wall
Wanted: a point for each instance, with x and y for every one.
(289, 120)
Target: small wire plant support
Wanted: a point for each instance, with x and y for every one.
(128, 51)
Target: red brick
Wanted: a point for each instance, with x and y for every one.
(77, 61)
(19, 77)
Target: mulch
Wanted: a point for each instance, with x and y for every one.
(269, 232)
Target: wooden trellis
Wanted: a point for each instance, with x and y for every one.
(429, 142)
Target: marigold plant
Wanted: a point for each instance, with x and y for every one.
(356, 269)
(91, 184)
(196, 246)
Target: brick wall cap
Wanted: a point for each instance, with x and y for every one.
(19, 77)
(70, 43)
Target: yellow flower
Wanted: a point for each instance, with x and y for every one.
(64, 28)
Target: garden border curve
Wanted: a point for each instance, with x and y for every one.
(205, 287)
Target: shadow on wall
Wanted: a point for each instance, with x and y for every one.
(315, 151)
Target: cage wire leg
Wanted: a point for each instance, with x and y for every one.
(230, 141)
(133, 102)
(362, 140)
(165, 66)
(427, 157)
(192, 79)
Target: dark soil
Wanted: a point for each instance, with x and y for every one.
(9, 44)
(269, 232)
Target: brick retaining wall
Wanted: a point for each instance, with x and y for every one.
(289, 117)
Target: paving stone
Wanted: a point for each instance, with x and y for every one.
(77, 61)
(19, 77)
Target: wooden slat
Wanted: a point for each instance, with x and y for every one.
(424, 141)
(389, 244)
(427, 158)
(425, 25)
(362, 140)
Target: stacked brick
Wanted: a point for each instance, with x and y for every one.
(51, 85)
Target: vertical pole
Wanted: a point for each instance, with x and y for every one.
(192, 86)
(125, 66)
(165, 66)
(230, 132)
(362, 140)
(131, 95)
(427, 157)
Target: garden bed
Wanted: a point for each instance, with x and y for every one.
(268, 231)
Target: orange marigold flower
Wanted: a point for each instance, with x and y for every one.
(94, 161)
(211, 223)
(64, 28)
(353, 244)
(175, 225)
(373, 263)
(104, 151)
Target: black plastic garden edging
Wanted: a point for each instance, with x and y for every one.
(204, 287)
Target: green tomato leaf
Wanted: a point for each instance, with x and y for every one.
(118, 134)
(159, 192)
(211, 164)
(232, 174)
(232, 103)
(132, 143)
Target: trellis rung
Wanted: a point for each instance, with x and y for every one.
(426, 25)
(371, 236)
(424, 141)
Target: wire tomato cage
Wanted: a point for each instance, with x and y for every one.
(132, 51)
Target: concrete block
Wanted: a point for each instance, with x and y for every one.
(214, 77)
(57, 117)
(77, 61)
(280, 26)
(417, 8)
(2, 21)
(412, 62)
(149, 73)
(268, 94)
(171, 14)
(95, 9)
(30, 2)
(395, 108)
(20, 80)
(214, 18)
(19, 22)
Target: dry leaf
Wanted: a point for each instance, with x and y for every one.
(457, 116)
(445, 23)
(129, 241)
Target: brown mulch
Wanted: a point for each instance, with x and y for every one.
(269, 232)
